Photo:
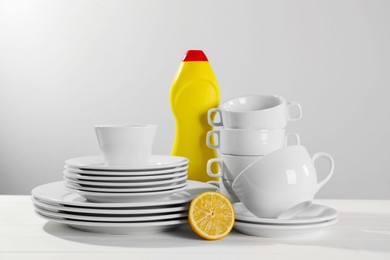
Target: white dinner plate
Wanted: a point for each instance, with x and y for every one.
(132, 174)
(56, 193)
(147, 178)
(282, 231)
(118, 228)
(313, 214)
(113, 211)
(126, 184)
(111, 218)
(155, 162)
(133, 190)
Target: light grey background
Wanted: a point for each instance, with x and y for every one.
(67, 65)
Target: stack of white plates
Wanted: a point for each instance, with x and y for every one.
(92, 179)
(54, 202)
(310, 222)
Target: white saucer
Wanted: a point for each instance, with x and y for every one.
(111, 218)
(56, 193)
(119, 228)
(114, 211)
(132, 190)
(282, 231)
(313, 214)
(148, 178)
(134, 173)
(155, 162)
(127, 184)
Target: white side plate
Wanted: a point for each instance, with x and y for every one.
(126, 184)
(156, 162)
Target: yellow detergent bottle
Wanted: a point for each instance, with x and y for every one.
(194, 91)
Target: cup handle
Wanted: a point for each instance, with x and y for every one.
(220, 164)
(319, 155)
(210, 120)
(208, 139)
(295, 135)
(298, 106)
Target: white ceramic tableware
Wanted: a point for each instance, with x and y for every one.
(255, 112)
(126, 184)
(55, 193)
(112, 211)
(120, 228)
(156, 162)
(230, 165)
(282, 183)
(110, 218)
(131, 174)
(315, 213)
(225, 187)
(125, 178)
(122, 197)
(124, 145)
(249, 141)
(283, 231)
(132, 190)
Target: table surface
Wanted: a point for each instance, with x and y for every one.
(362, 232)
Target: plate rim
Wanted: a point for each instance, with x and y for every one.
(70, 162)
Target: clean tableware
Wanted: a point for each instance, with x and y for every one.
(125, 178)
(255, 112)
(133, 190)
(126, 145)
(283, 231)
(282, 183)
(230, 165)
(131, 174)
(113, 211)
(120, 228)
(156, 162)
(55, 193)
(111, 197)
(110, 218)
(315, 213)
(126, 184)
(249, 141)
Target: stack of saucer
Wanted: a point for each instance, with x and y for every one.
(55, 203)
(91, 178)
(309, 222)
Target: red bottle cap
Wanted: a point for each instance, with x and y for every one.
(195, 55)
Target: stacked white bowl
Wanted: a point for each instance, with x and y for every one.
(249, 128)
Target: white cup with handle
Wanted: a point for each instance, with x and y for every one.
(230, 165)
(282, 183)
(125, 144)
(249, 141)
(255, 112)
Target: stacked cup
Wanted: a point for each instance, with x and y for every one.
(251, 127)
(257, 167)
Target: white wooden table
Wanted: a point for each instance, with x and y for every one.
(363, 232)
